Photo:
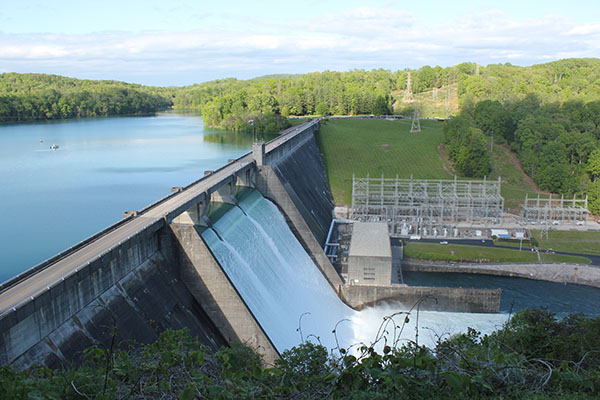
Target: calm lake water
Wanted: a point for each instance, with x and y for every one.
(52, 199)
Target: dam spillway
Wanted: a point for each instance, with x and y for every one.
(273, 274)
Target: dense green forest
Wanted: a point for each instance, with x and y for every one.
(26, 97)
(548, 114)
(230, 103)
(227, 102)
(535, 355)
(558, 144)
(554, 82)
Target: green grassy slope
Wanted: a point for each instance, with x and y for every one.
(515, 183)
(376, 147)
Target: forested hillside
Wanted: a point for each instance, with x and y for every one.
(25, 97)
(229, 103)
(548, 114)
(558, 81)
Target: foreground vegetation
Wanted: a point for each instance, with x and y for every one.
(534, 356)
(477, 254)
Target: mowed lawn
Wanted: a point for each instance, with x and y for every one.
(570, 241)
(376, 147)
(434, 251)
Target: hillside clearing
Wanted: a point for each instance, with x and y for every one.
(378, 147)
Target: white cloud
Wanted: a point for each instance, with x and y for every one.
(364, 37)
(585, 29)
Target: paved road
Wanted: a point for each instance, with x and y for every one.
(39, 282)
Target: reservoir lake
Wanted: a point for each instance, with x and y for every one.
(52, 199)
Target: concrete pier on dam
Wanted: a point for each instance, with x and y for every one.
(153, 271)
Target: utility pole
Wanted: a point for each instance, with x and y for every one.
(492, 144)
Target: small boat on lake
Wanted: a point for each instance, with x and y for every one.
(54, 147)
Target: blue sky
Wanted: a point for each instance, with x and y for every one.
(183, 42)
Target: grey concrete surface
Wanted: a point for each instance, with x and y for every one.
(433, 298)
(213, 290)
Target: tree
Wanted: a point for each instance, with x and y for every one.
(593, 164)
(381, 106)
(466, 147)
(594, 197)
(322, 109)
(553, 171)
(490, 116)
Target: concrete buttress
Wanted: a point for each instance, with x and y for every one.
(213, 290)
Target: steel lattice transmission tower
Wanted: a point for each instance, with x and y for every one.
(408, 95)
(416, 123)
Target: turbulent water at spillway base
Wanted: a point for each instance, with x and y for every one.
(293, 301)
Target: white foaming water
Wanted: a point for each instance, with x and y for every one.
(433, 325)
(282, 282)
(281, 285)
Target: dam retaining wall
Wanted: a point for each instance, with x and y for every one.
(431, 298)
(302, 174)
(219, 299)
(132, 292)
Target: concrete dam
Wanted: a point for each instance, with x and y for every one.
(236, 255)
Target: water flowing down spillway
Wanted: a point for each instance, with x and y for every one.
(273, 273)
(281, 285)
